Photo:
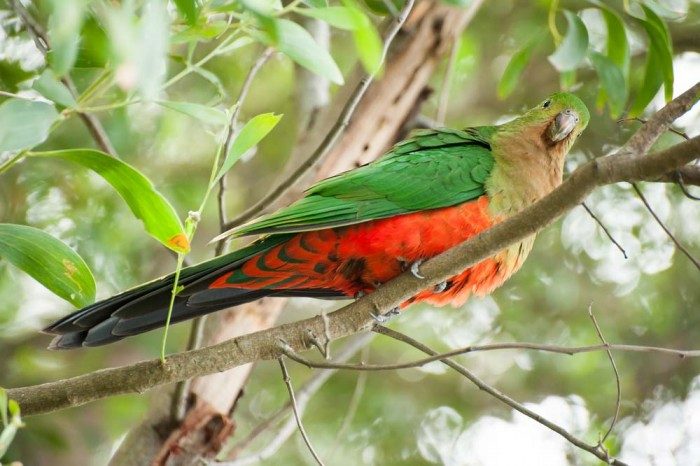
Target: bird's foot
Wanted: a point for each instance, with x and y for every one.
(440, 287)
(414, 269)
(387, 316)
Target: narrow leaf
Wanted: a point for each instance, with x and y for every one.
(572, 49)
(337, 16)
(54, 90)
(617, 46)
(367, 42)
(611, 80)
(147, 204)
(295, 42)
(3, 406)
(65, 23)
(651, 83)
(24, 123)
(187, 9)
(660, 45)
(515, 68)
(48, 260)
(209, 115)
(252, 133)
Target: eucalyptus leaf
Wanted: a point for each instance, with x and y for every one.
(48, 260)
(64, 26)
(188, 9)
(205, 114)
(660, 45)
(54, 90)
(337, 16)
(147, 204)
(572, 49)
(514, 69)
(612, 82)
(650, 85)
(296, 42)
(617, 46)
(251, 134)
(24, 123)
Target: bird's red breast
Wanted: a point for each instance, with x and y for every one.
(359, 258)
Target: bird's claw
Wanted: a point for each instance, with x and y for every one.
(414, 269)
(387, 316)
(440, 287)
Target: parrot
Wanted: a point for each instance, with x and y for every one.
(355, 231)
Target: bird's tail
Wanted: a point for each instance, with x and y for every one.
(145, 307)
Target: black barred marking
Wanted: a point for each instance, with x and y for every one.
(320, 267)
(306, 246)
(284, 256)
(237, 276)
(333, 255)
(260, 263)
(353, 268)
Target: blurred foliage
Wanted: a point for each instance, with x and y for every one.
(163, 76)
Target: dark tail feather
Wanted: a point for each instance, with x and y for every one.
(145, 307)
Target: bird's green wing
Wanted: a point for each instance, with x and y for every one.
(431, 169)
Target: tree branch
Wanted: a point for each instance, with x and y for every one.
(355, 317)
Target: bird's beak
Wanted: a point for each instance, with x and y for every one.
(563, 124)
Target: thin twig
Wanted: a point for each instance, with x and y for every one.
(618, 398)
(671, 129)
(328, 142)
(304, 395)
(230, 137)
(38, 34)
(605, 230)
(594, 450)
(568, 350)
(684, 188)
(292, 398)
(678, 244)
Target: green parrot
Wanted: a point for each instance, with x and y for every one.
(355, 231)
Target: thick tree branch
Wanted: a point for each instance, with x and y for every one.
(353, 318)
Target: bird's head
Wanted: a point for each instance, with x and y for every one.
(561, 118)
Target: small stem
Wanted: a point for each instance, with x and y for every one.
(178, 267)
(7, 164)
(552, 21)
(292, 398)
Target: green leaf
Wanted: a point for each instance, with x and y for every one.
(515, 68)
(197, 32)
(295, 42)
(572, 49)
(147, 204)
(652, 81)
(24, 123)
(48, 260)
(187, 9)
(13, 408)
(612, 82)
(209, 115)
(617, 46)
(660, 45)
(252, 133)
(337, 16)
(54, 90)
(367, 41)
(64, 27)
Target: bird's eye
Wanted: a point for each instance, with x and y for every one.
(546, 103)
